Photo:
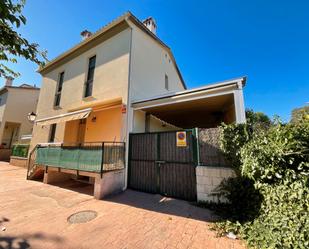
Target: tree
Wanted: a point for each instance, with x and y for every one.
(12, 44)
(257, 117)
(299, 113)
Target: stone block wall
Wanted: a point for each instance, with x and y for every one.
(19, 161)
(208, 179)
(111, 183)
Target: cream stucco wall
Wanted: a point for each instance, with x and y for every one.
(149, 64)
(155, 125)
(139, 122)
(3, 98)
(107, 126)
(18, 103)
(110, 82)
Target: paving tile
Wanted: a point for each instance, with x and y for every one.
(36, 214)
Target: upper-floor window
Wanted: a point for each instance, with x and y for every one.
(59, 89)
(166, 82)
(90, 76)
(52, 133)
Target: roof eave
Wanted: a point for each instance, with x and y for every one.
(216, 85)
(138, 23)
(83, 43)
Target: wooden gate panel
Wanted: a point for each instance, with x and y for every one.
(157, 165)
(143, 176)
(171, 153)
(143, 146)
(178, 180)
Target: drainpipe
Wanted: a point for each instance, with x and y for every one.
(239, 104)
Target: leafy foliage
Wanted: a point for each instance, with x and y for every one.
(235, 136)
(272, 212)
(12, 44)
(20, 150)
(257, 119)
(300, 113)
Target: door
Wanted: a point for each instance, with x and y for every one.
(158, 165)
(81, 131)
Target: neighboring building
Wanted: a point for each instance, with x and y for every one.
(16, 102)
(119, 80)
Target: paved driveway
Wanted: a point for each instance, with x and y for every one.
(35, 216)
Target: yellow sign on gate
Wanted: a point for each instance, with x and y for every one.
(181, 139)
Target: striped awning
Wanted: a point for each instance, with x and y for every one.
(80, 114)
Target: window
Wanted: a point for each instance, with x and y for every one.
(166, 82)
(59, 89)
(52, 133)
(90, 75)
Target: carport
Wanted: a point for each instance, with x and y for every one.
(157, 162)
(204, 107)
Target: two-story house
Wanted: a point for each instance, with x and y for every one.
(118, 80)
(15, 104)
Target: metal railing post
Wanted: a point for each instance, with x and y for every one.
(197, 146)
(102, 163)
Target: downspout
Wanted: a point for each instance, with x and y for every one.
(128, 120)
(239, 104)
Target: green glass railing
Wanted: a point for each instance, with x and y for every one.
(91, 157)
(20, 150)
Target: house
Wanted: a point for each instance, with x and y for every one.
(119, 80)
(15, 104)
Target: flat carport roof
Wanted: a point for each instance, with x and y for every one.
(200, 107)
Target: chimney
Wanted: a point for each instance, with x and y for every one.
(9, 81)
(150, 23)
(85, 34)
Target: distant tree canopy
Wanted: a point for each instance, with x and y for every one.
(12, 44)
(257, 117)
(299, 113)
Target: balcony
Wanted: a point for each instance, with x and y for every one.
(88, 157)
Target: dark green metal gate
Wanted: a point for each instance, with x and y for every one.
(157, 165)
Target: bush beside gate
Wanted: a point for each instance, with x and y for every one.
(272, 185)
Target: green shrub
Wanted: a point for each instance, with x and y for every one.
(232, 138)
(246, 199)
(273, 211)
(276, 155)
(20, 150)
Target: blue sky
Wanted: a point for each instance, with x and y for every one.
(267, 41)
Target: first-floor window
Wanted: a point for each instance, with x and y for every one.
(52, 133)
(90, 77)
(59, 89)
(166, 82)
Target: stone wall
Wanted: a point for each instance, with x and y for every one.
(18, 161)
(208, 179)
(111, 183)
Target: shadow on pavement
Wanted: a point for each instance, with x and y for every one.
(80, 187)
(23, 241)
(161, 204)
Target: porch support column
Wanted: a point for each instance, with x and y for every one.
(55, 177)
(239, 104)
(111, 183)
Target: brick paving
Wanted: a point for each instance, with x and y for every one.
(35, 216)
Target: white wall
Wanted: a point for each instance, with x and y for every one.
(149, 64)
(3, 98)
(19, 103)
(110, 82)
(208, 180)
